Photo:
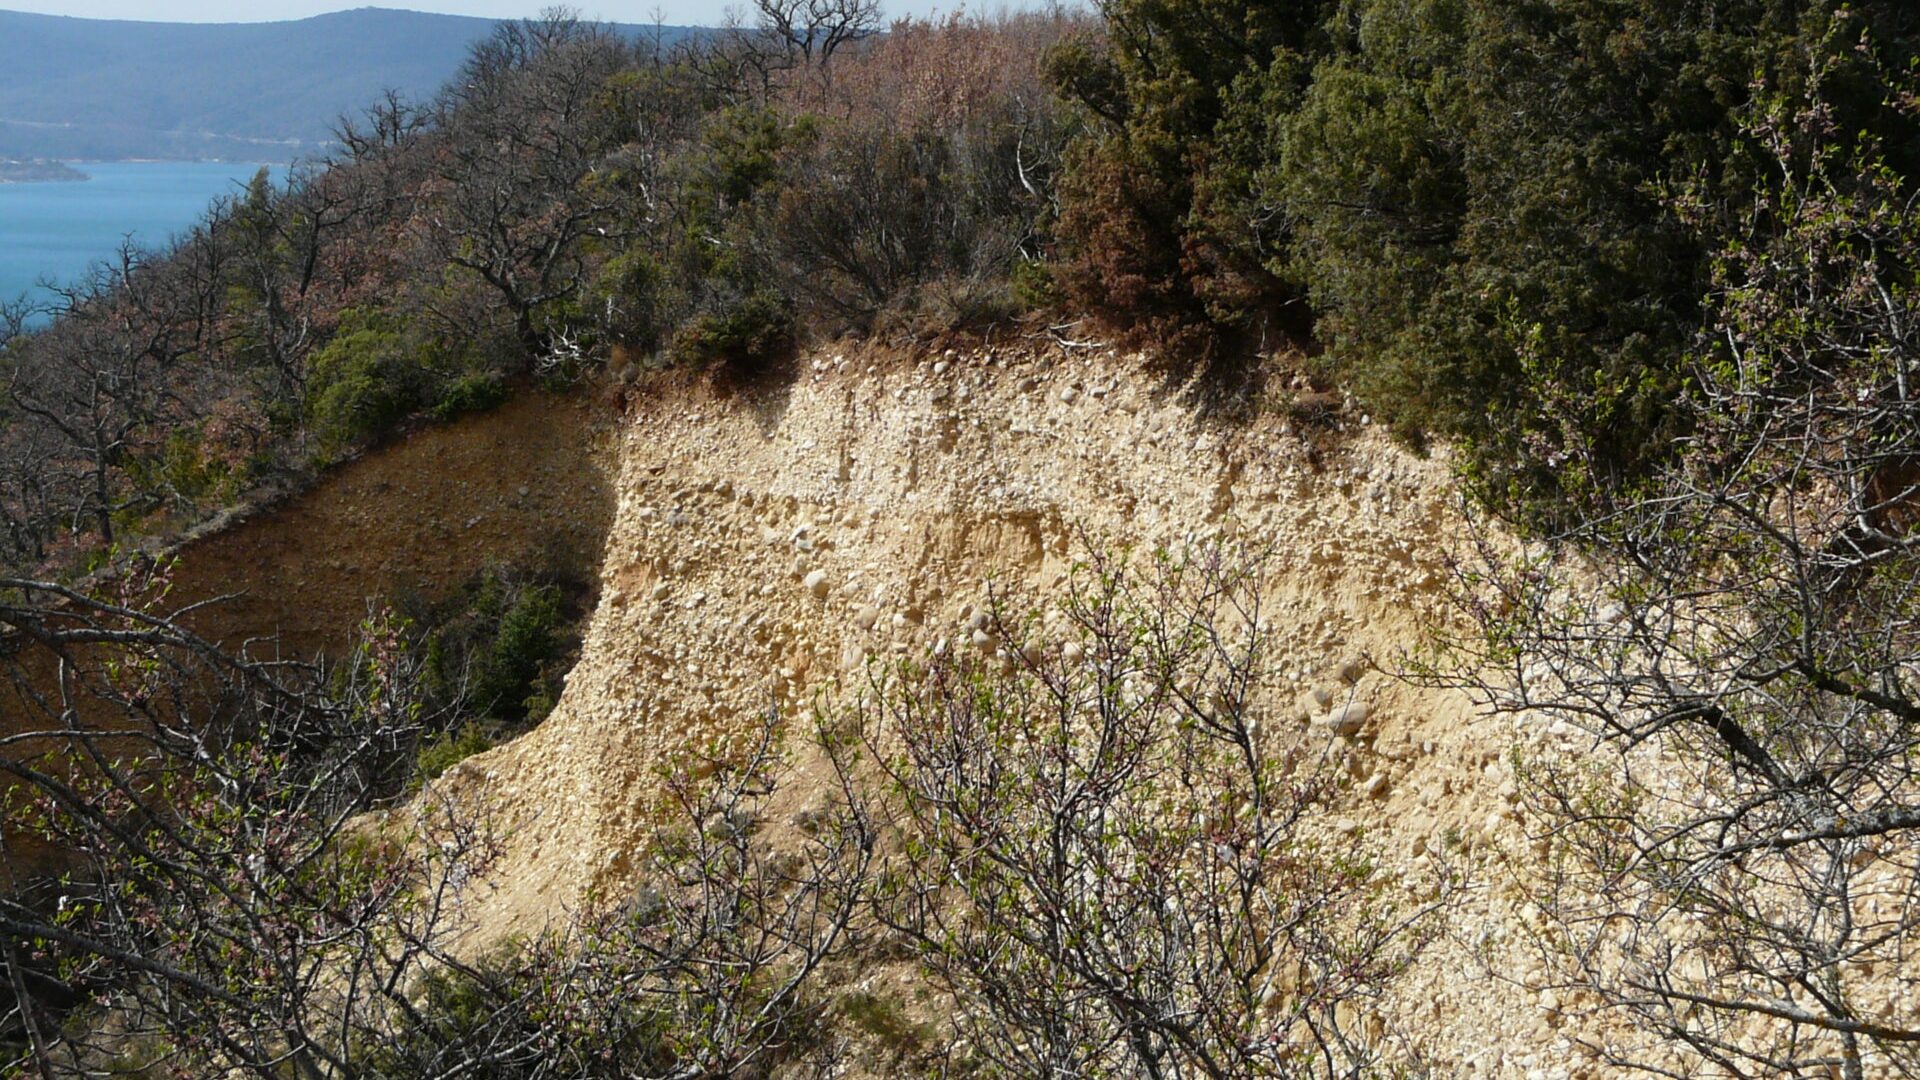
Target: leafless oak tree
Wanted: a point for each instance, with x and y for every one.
(1105, 863)
(194, 885)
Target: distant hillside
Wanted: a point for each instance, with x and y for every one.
(109, 89)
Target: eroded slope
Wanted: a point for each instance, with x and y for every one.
(767, 542)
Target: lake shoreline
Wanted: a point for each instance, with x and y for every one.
(54, 232)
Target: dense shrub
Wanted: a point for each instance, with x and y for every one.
(441, 752)
(1159, 226)
(497, 651)
(1122, 246)
(509, 680)
(363, 383)
(475, 391)
(380, 368)
(1736, 822)
(954, 305)
(630, 291)
(491, 659)
(1476, 206)
(747, 333)
(1469, 194)
(188, 468)
(719, 302)
(865, 214)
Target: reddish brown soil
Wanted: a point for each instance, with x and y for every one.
(522, 484)
(525, 484)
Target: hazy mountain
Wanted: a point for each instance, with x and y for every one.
(107, 89)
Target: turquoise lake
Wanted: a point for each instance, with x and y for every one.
(57, 230)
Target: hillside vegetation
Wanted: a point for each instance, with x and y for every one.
(1019, 650)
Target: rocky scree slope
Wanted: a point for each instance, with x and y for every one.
(767, 543)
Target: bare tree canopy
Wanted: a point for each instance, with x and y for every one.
(198, 880)
(1106, 862)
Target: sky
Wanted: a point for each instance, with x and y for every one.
(672, 12)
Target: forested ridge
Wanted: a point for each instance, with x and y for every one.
(1645, 268)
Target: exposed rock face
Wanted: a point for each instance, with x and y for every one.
(760, 548)
(1348, 719)
(774, 541)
